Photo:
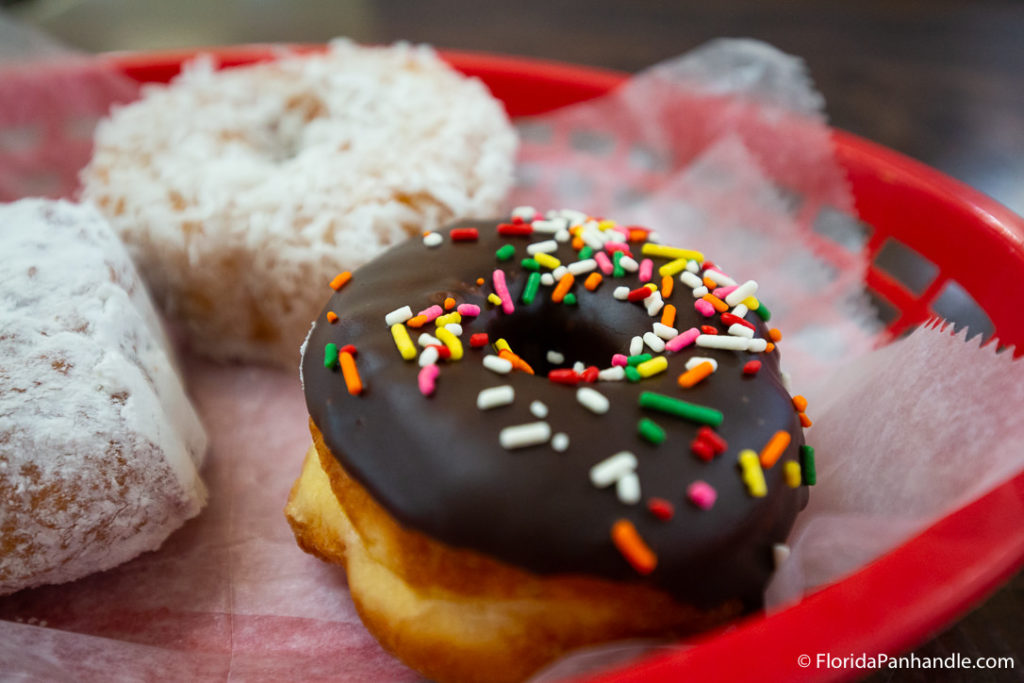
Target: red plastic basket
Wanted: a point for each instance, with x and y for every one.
(897, 601)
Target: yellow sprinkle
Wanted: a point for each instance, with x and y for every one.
(652, 249)
(792, 472)
(673, 267)
(403, 341)
(453, 343)
(494, 299)
(751, 303)
(502, 345)
(653, 366)
(547, 260)
(753, 475)
(606, 225)
(442, 320)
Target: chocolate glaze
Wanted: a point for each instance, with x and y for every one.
(436, 465)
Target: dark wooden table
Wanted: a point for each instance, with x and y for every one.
(939, 80)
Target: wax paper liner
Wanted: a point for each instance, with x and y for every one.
(725, 148)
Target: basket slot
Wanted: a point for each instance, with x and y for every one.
(954, 304)
(905, 265)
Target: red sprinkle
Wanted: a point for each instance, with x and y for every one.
(661, 508)
(442, 351)
(730, 319)
(590, 374)
(347, 348)
(515, 229)
(638, 294)
(708, 329)
(565, 376)
(751, 367)
(612, 247)
(708, 264)
(478, 340)
(717, 443)
(702, 449)
(465, 235)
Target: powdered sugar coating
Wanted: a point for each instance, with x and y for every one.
(99, 446)
(241, 192)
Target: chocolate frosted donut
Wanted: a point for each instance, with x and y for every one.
(523, 428)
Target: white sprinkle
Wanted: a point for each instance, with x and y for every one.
(636, 346)
(627, 488)
(780, 553)
(428, 357)
(433, 239)
(700, 292)
(495, 397)
(555, 358)
(691, 280)
(549, 227)
(787, 380)
(758, 345)
(654, 304)
(738, 330)
(740, 311)
(719, 278)
(621, 293)
(558, 272)
(427, 340)
(593, 400)
(538, 409)
(748, 288)
(454, 328)
(572, 215)
(665, 332)
(723, 341)
(399, 315)
(502, 366)
(592, 240)
(525, 212)
(653, 237)
(521, 436)
(560, 442)
(692, 266)
(654, 342)
(545, 247)
(694, 361)
(612, 468)
(562, 236)
(578, 367)
(629, 264)
(584, 266)
(547, 279)
(616, 373)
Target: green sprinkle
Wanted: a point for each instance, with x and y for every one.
(807, 471)
(638, 359)
(530, 264)
(678, 408)
(763, 311)
(632, 374)
(530, 291)
(331, 356)
(586, 252)
(618, 270)
(569, 299)
(506, 252)
(650, 431)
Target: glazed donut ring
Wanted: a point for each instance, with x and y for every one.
(234, 189)
(481, 483)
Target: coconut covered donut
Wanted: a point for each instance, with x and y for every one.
(234, 189)
(99, 446)
(542, 433)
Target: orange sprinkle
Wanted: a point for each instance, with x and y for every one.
(480, 281)
(516, 361)
(563, 287)
(775, 335)
(667, 283)
(416, 321)
(769, 347)
(805, 421)
(593, 281)
(719, 305)
(709, 283)
(340, 280)
(449, 303)
(799, 403)
(637, 553)
(577, 242)
(668, 315)
(695, 374)
(350, 373)
(332, 317)
(773, 450)
(637, 235)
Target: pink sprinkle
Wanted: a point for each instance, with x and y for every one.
(722, 292)
(604, 263)
(704, 308)
(683, 340)
(428, 379)
(431, 313)
(621, 228)
(646, 270)
(612, 247)
(620, 360)
(470, 310)
(501, 289)
(701, 494)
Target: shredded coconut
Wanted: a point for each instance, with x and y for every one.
(242, 192)
(99, 446)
